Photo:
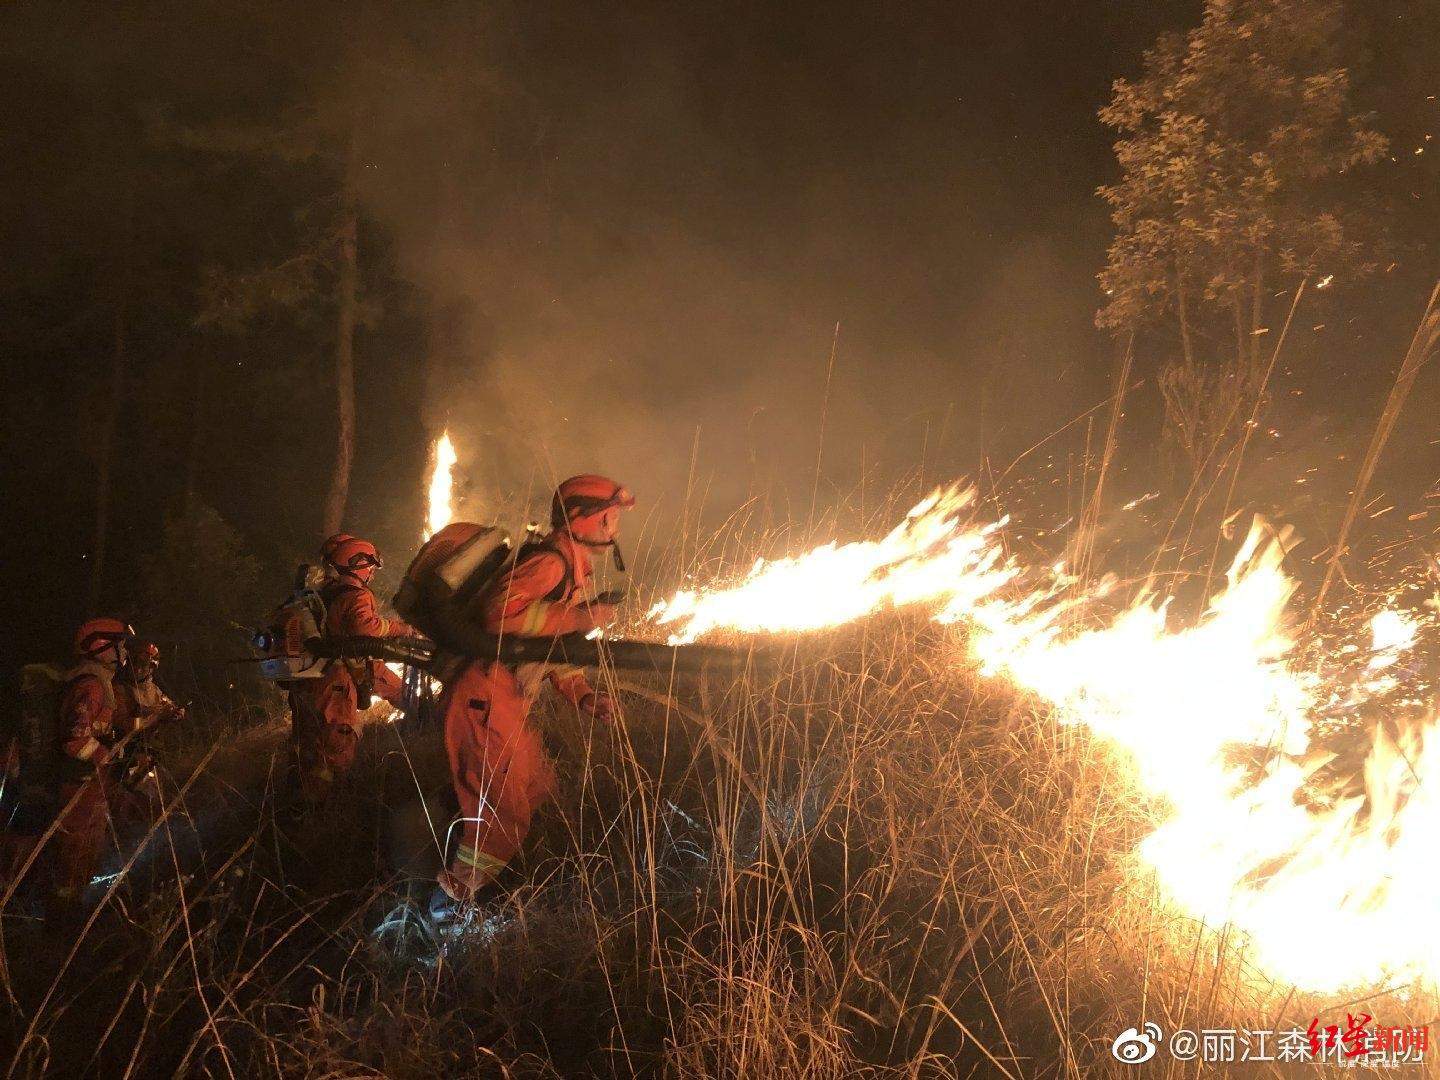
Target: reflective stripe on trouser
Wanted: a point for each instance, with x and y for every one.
(497, 764)
(469, 871)
(324, 718)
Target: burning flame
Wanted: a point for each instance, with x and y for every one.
(439, 510)
(925, 557)
(1392, 633)
(1330, 891)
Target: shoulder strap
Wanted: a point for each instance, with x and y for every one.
(567, 580)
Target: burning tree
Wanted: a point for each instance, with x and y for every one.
(1236, 148)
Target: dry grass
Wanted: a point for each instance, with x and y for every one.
(870, 862)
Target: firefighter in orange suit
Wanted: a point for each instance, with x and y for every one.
(139, 702)
(325, 710)
(140, 705)
(497, 762)
(87, 735)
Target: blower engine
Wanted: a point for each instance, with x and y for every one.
(448, 572)
(283, 645)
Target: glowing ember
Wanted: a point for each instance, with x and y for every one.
(439, 510)
(1339, 894)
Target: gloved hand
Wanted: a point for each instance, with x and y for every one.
(137, 769)
(589, 617)
(599, 705)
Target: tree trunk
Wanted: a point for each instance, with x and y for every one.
(105, 456)
(1242, 354)
(344, 373)
(1185, 342)
(197, 431)
(1257, 310)
(1083, 546)
(109, 420)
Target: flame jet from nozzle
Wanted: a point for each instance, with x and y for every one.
(1250, 849)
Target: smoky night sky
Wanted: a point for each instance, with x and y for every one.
(592, 237)
(660, 253)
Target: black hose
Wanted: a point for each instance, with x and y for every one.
(574, 649)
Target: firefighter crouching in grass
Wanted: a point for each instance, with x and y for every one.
(498, 765)
(325, 711)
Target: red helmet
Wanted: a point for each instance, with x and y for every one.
(98, 635)
(144, 658)
(588, 508)
(351, 555)
(327, 549)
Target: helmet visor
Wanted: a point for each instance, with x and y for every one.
(585, 505)
(99, 640)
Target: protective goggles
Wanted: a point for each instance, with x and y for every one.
(100, 640)
(578, 506)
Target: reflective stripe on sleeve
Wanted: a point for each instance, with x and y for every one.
(535, 616)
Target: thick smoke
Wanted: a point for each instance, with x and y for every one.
(636, 233)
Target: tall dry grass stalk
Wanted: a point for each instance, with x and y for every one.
(869, 862)
(1422, 348)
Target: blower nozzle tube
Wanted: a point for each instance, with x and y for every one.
(576, 649)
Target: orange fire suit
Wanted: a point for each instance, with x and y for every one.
(87, 731)
(497, 763)
(139, 706)
(325, 711)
